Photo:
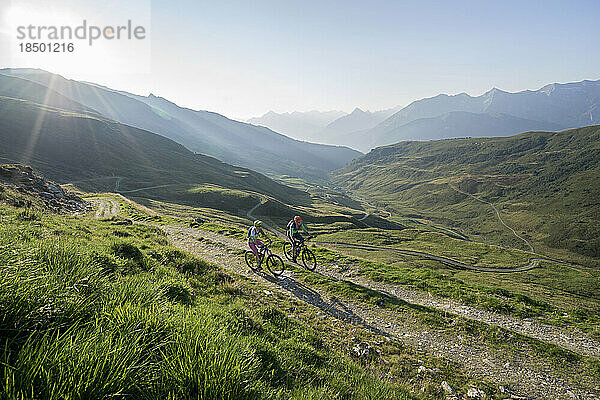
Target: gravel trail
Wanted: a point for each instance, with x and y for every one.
(526, 374)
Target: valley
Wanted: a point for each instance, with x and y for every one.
(409, 333)
(458, 268)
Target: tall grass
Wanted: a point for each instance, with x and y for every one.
(85, 314)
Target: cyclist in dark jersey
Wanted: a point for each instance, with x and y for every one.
(293, 233)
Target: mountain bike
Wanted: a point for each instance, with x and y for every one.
(273, 262)
(306, 255)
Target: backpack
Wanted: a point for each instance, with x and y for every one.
(289, 225)
(250, 232)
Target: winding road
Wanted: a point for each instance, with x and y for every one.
(533, 262)
(498, 214)
(444, 260)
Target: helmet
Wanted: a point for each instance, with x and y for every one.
(298, 219)
(257, 223)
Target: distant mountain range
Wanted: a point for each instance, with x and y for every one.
(494, 113)
(454, 124)
(564, 106)
(204, 132)
(322, 127)
(357, 121)
(298, 125)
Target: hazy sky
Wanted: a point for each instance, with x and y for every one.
(244, 58)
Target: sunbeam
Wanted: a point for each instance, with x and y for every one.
(37, 127)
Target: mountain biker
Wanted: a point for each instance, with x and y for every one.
(253, 241)
(293, 233)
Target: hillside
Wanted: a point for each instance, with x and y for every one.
(27, 90)
(91, 309)
(145, 305)
(545, 184)
(298, 125)
(97, 153)
(447, 126)
(204, 132)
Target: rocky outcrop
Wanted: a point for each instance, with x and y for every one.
(24, 180)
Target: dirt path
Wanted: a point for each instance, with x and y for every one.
(147, 188)
(364, 216)
(571, 339)
(497, 214)
(107, 207)
(447, 261)
(520, 369)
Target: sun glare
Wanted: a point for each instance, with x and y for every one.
(103, 56)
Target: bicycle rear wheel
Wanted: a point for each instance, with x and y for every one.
(275, 264)
(288, 250)
(251, 260)
(308, 259)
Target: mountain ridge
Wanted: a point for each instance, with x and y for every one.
(206, 132)
(300, 125)
(567, 105)
(77, 147)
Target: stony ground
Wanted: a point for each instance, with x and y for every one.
(527, 375)
(23, 179)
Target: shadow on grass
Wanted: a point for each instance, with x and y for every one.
(333, 307)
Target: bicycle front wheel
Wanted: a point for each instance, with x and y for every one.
(288, 250)
(275, 264)
(309, 260)
(251, 260)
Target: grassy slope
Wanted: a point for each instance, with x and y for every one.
(87, 296)
(562, 308)
(545, 184)
(92, 310)
(554, 294)
(86, 149)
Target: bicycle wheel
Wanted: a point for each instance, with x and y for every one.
(251, 260)
(309, 260)
(288, 249)
(275, 264)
